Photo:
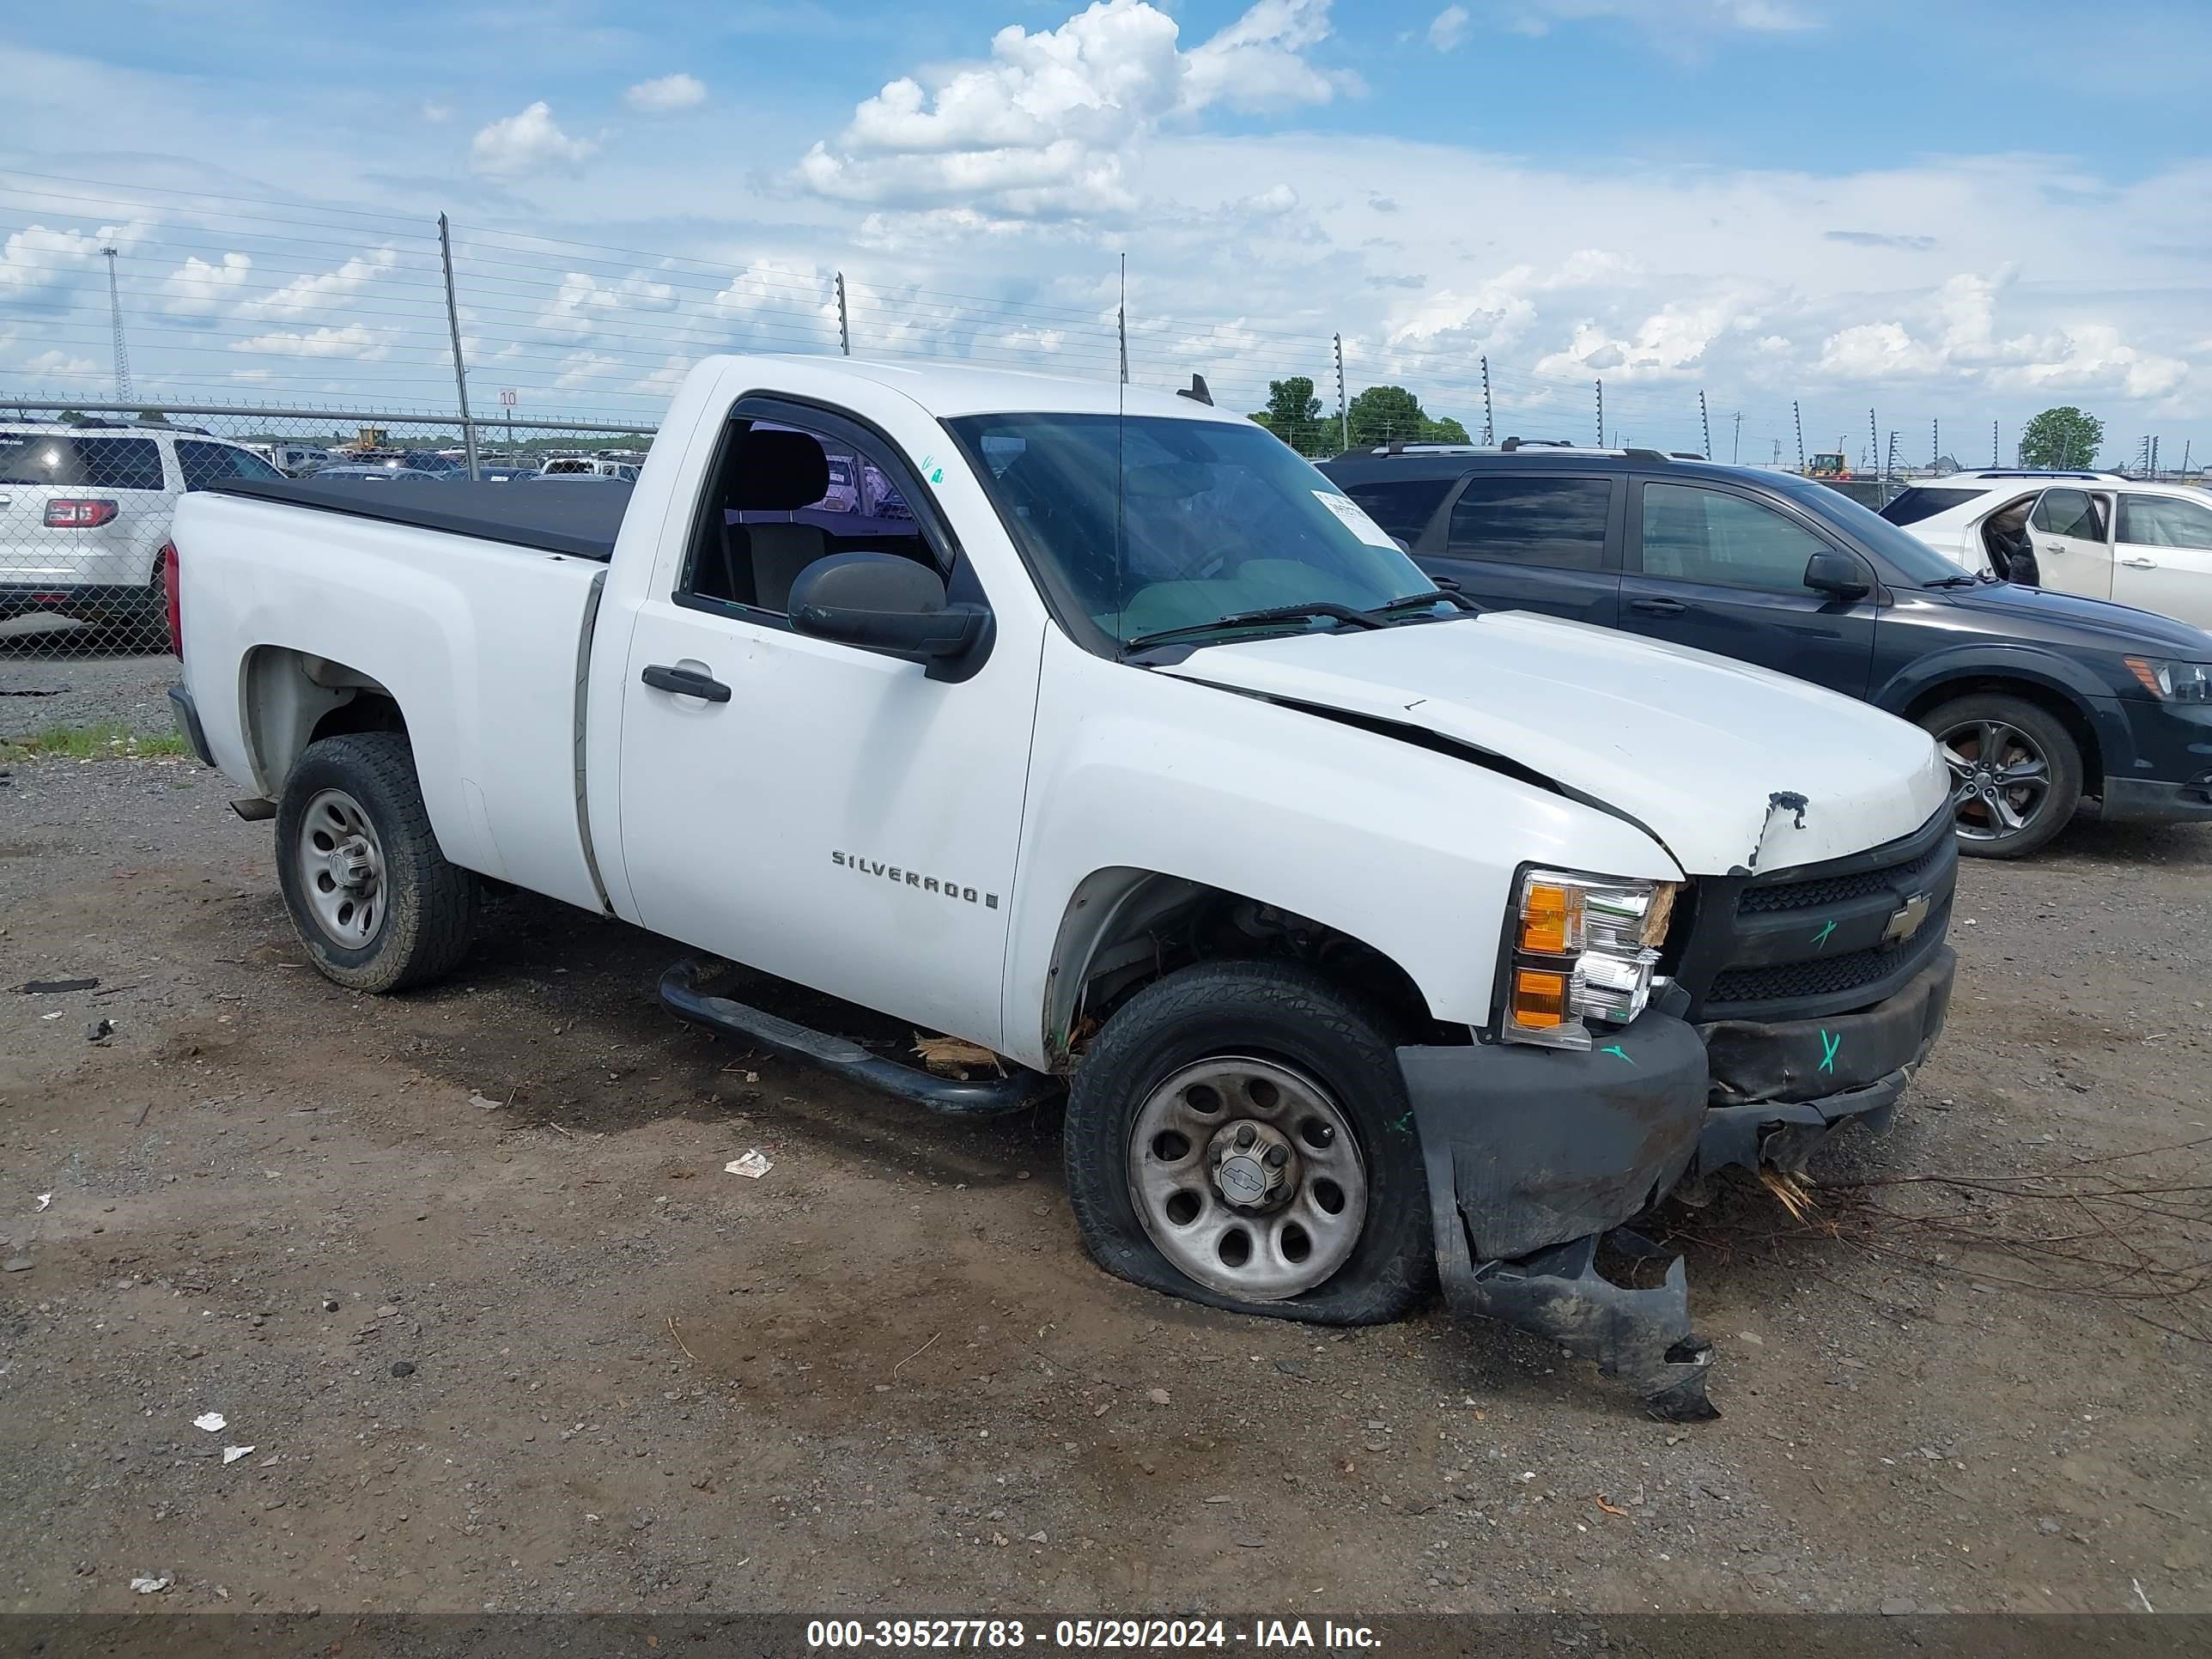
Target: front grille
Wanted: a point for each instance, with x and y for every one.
(1820, 890)
(1809, 942)
(1827, 976)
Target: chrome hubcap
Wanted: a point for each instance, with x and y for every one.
(1247, 1176)
(342, 868)
(2000, 778)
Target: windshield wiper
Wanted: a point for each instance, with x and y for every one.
(1954, 581)
(1412, 602)
(1343, 613)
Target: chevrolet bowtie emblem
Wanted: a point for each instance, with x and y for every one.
(1905, 921)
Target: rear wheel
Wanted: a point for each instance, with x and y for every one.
(2015, 773)
(1239, 1134)
(375, 902)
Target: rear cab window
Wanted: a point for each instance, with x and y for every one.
(1557, 522)
(203, 464)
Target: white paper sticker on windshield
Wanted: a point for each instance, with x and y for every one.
(1355, 518)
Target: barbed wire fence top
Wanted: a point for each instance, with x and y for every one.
(150, 338)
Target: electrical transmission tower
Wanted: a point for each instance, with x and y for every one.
(115, 314)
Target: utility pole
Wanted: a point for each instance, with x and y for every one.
(1736, 448)
(1994, 461)
(1600, 414)
(460, 369)
(844, 326)
(1936, 443)
(1873, 441)
(115, 315)
(1489, 426)
(2153, 459)
(1889, 457)
(1705, 423)
(1797, 415)
(1343, 408)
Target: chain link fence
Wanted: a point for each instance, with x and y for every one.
(87, 491)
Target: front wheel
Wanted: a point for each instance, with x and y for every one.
(375, 902)
(2015, 773)
(1239, 1134)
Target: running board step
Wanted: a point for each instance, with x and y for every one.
(679, 992)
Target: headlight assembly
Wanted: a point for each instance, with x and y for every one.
(1583, 950)
(2172, 682)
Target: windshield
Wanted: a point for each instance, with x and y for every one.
(1911, 560)
(1215, 519)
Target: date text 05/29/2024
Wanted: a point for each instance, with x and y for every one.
(1118, 1634)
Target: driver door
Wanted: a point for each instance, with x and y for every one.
(822, 812)
(2072, 531)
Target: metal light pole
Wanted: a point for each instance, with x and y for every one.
(460, 371)
(115, 316)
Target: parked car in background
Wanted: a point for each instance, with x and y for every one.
(569, 466)
(84, 511)
(297, 460)
(2037, 697)
(2096, 534)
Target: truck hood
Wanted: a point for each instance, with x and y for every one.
(1691, 746)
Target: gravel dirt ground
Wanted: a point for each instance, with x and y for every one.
(464, 1271)
(49, 678)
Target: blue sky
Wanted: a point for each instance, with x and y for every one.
(1952, 212)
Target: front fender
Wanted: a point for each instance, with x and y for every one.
(1984, 662)
(1410, 851)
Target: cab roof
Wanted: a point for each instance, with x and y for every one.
(958, 389)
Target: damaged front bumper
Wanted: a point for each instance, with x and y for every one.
(1534, 1154)
(1537, 1159)
(1779, 1089)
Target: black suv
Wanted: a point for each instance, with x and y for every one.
(2037, 698)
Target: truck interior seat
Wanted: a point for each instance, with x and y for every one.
(772, 470)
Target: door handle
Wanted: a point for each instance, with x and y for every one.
(1658, 607)
(2140, 564)
(685, 684)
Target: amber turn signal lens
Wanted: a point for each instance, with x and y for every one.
(1545, 913)
(1539, 999)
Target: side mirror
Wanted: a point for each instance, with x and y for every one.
(1837, 574)
(880, 602)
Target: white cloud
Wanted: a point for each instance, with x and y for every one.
(1449, 29)
(530, 141)
(582, 302)
(353, 341)
(436, 114)
(1042, 128)
(197, 289)
(59, 366)
(322, 291)
(667, 95)
(36, 258)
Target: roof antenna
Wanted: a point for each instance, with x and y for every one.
(1197, 392)
(1121, 417)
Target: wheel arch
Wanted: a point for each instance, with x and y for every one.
(1124, 928)
(2060, 704)
(291, 698)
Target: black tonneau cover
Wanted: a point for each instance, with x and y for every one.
(577, 519)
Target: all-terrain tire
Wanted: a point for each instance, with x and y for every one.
(428, 905)
(1290, 1015)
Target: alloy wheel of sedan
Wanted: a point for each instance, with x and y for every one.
(1247, 1177)
(2000, 778)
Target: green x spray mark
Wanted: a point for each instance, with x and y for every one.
(1828, 1047)
(1821, 938)
(1615, 1049)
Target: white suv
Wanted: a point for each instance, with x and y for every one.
(84, 511)
(2096, 534)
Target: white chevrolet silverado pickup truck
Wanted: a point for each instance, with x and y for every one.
(1375, 938)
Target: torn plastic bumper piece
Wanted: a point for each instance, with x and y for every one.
(1641, 1337)
(1780, 1088)
(1533, 1155)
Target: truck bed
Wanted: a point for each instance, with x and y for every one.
(579, 519)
